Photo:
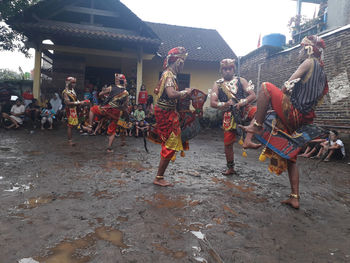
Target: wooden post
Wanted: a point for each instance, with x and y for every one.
(139, 72)
(37, 74)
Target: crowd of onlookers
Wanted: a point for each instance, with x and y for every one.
(326, 148)
(45, 113)
(48, 113)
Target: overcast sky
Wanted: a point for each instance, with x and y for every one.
(239, 22)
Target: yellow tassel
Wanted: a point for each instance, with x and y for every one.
(173, 158)
(240, 141)
(182, 154)
(244, 154)
(262, 157)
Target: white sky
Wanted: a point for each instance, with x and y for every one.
(239, 22)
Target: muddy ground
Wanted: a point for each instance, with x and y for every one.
(78, 204)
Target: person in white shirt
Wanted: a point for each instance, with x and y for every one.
(16, 115)
(336, 150)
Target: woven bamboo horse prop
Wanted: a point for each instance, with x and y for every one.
(281, 146)
(189, 119)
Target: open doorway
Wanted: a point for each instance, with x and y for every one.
(100, 76)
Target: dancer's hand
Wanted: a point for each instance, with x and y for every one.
(238, 105)
(188, 91)
(229, 103)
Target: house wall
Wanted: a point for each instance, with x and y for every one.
(278, 67)
(203, 75)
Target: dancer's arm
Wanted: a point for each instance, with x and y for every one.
(302, 70)
(214, 100)
(174, 94)
(70, 103)
(249, 89)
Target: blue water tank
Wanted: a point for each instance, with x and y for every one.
(276, 40)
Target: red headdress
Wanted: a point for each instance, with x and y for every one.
(227, 63)
(173, 55)
(314, 46)
(71, 80)
(119, 76)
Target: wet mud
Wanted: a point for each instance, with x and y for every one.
(80, 204)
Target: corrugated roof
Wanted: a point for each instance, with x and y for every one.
(201, 44)
(69, 29)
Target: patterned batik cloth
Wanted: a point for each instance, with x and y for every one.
(71, 112)
(169, 131)
(229, 125)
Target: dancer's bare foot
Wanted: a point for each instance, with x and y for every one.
(229, 172)
(71, 143)
(110, 150)
(247, 144)
(162, 182)
(292, 201)
(252, 128)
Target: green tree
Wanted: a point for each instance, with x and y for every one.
(8, 74)
(11, 40)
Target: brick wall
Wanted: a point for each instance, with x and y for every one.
(277, 66)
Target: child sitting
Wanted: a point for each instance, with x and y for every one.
(47, 115)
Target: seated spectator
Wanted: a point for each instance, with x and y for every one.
(314, 146)
(5, 107)
(33, 112)
(57, 106)
(336, 150)
(141, 124)
(47, 115)
(16, 115)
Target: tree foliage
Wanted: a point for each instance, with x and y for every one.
(8, 74)
(11, 40)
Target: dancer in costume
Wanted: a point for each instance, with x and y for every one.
(71, 102)
(294, 104)
(167, 118)
(113, 107)
(229, 92)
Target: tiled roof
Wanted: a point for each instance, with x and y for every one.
(69, 29)
(201, 44)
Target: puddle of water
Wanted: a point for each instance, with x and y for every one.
(33, 152)
(35, 202)
(120, 165)
(231, 185)
(231, 233)
(163, 201)
(228, 209)
(218, 220)
(112, 235)
(199, 259)
(68, 251)
(103, 194)
(45, 199)
(174, 254)
(28, 260)
(122, 218)
(198, 234)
